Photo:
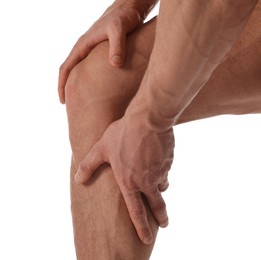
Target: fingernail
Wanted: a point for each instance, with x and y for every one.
(77, 177)
(148, 240)
(116, 59)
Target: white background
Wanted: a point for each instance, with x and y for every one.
(214, 197)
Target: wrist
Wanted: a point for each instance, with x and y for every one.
(148, 121)
(146, 111)
(142, 7)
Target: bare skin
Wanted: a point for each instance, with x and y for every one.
(97, 94)
(192, 38)
(119, 19)
(180, 64)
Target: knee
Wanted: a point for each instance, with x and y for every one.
(94, 81)
(72, 87)
(79, 89)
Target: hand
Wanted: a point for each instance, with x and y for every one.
(118, 20)
(140, 158)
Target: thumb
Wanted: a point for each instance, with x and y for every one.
(117, 48)
(88, 165)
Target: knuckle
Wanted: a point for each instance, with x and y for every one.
(79, 51)
(150, 182)
(153, 191)
(95, 153)
(145, 230)
(160, 208)
(82, 167)
(80, 40)
(129, 184)
(138, 213)
(115, 25)
(62, 68)
(115, 22)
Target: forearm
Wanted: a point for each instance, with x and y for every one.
(235, 85)
(234, 88)
(190, 42)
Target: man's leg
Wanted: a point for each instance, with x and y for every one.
(97, 94)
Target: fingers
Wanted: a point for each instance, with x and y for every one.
(88, 166)
(158, 207)
(117, 42)
(80, 50)
(138, 216)
(163, 186)
(117, 50)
